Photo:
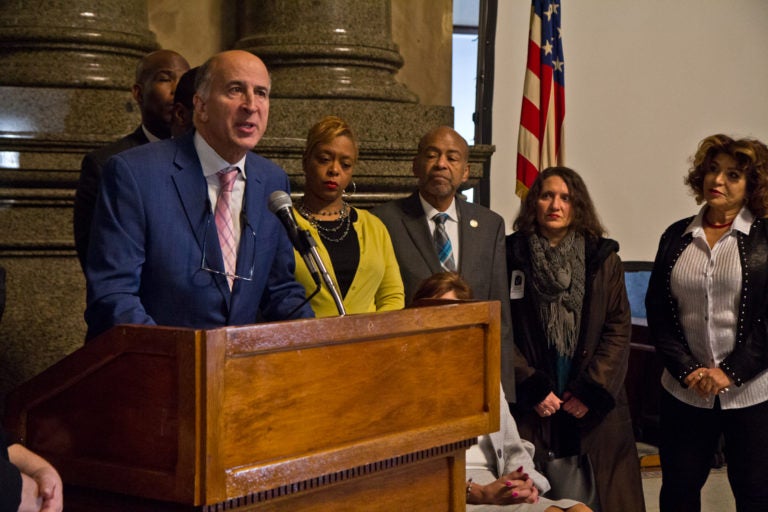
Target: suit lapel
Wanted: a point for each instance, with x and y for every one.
(471, 245)
(417, 227)
(251, 217)
(193, 193)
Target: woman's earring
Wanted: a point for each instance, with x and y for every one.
(346, 194)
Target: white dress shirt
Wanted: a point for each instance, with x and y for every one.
(149, 135)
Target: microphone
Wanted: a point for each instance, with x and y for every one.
(280, 204)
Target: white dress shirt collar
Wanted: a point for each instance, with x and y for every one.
(210, 160)
(149, 135)
(742, 222)
(430, 211)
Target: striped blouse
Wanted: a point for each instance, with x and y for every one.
(707, 284)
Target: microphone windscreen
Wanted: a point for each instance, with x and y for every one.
(278, 200)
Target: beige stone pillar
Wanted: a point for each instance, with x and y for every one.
(340, 49)
(337, 57)
(65, 87)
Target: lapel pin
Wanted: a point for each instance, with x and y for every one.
(473, 223)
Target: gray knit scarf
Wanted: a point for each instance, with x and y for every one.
(558, 277)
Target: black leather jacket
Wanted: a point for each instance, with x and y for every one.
(750, 354)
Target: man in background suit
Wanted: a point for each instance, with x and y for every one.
(476, 233)
(156, 77)
(183, 104)
(155, 255)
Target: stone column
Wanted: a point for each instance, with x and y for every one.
(68, 67)
(330, 49)
(337, 57)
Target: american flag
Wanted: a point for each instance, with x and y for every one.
(540, 143)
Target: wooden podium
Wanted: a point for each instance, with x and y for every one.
(364, 412)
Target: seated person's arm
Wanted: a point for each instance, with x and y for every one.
(41, 483)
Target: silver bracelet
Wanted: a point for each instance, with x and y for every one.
(469, 487)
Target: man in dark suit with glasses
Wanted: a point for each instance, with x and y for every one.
(182, 235)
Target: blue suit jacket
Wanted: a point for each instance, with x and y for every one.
(88, 187)
(151, 222)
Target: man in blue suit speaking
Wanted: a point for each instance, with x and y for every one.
(166, 209)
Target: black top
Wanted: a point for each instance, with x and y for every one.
(344, 254)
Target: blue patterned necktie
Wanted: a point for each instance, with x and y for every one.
(443, 243)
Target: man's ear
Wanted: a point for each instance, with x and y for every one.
(177, 114)
(465, 174)
(201, 110)
(137, 94)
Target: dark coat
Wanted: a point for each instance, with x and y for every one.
(88, 186)
(597, 375)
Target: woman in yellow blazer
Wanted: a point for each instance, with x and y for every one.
(353, 244)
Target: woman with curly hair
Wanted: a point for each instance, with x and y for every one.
(572, 326)
(707, 306)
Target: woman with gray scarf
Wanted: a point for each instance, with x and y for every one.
(572, 325)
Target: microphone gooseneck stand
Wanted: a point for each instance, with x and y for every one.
(280, 204)
(317, 270)
(312, 246)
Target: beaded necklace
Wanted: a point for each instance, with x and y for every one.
(329, 229)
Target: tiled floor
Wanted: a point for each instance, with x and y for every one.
(715, 497)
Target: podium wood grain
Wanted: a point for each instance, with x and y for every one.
(360, 411)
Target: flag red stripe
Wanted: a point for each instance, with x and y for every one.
(527, 172)
(534, 64)
(529, 117)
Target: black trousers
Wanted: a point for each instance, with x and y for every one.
(688, 440)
